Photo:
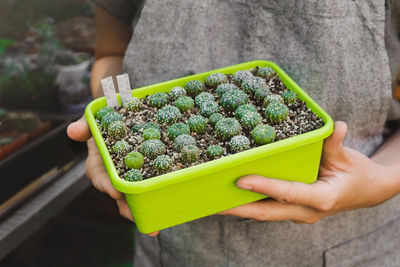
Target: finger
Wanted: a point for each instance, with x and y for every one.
(79, 130)
(333, 144)
(298, 193)
(124, 209)
(270, 210)
(154, 234)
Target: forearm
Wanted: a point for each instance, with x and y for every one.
(104, 67)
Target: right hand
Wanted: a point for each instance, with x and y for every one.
(95, 170)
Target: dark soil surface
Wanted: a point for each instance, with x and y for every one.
(300, 120)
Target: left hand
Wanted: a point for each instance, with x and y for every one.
(347, 180)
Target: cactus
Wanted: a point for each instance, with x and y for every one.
(116, 130)
(289, 97)
(263, 134)
(163, 163)
(133, 176)
(214, 118)
(149, 125)
(197, 124)
(214, 151)
(239, 143)
(168, 115)
(243, 109)
(208, 108)
(151, 133)
(134, 160)
(158, 100)
(223, 88)
(276, 112)
(110, 118)
(103, 111)
(183, 140)
(176, 92)
(202, 97)
(184, 103)
(272, 98)
(177, 129)
(227, 128)
(250, 119)
(250, 85)
(261, 93)
(137, 127)
(241, 75)
(216, 79)
(190, 154)
(265, 72)
(232, 99)
(132, 104)
(152, 148)
(121, 147)
(194, 87)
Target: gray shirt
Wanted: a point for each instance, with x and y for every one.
(345, 54)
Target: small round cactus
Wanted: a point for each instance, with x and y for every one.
(216, 79)
(177, 129)
(242, 75)
(263, 134)
(203, 97)
(214, 151)
(261, 93)
(116, 130)
(121, 147)
(149, 125)
(152, 148)
(289, 97)
(223, 88)
(194, 87)
(252, 84)
(184, 103)
(137, 127)
(110, 118)
(176, 92)
(132, 104)
(151, 133)
(239, 143)
(243, 109)
(265, 72)
(163, 163)
(272, 98)
(190, 153)
(134, 160)
(158, 100)
(183, 140)
(168, 115)
(232, 99)
(214, 118)
(276, 112)
(250, 119)
(197, 124)
(227, 128)
(133, 176)
(103, 111)
(208, 108)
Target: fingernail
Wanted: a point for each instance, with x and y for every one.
(244, 186)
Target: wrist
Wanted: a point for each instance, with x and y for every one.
(389, 177)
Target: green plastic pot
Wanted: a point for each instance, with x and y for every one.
(208, 188)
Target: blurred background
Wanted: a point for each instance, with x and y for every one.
(49, 213)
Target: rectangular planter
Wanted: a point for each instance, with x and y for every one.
(188, 194)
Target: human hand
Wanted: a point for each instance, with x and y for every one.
(347, 180)
(95, 170)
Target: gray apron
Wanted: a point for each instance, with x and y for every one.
(335, 50)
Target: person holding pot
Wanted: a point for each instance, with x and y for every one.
(344, 54)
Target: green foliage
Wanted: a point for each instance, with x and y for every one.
(194, 87)
(223, 88)
(214, 151)
(263, 134)
(250, 119)
(197, 124)
(232, 99)
(239, 143)
(134, 160)
(133, 175)
(151, 133)
(176, 92)
(163, 163)
(214, 118)
(203, 97)
(132, 104)
(184, 103)
(243, 109)
(242, 75)
(121, 147)
(208, 108)
(152, 148)
(250, 85)
(149, 125)
(216, 79)
(190, 153)
(265, 72)
(168, 115)
(276, 112)
(177, 129)
(158, 100)
(261, 93)
(110, 118)
(227, 128)
(116, 130)
(137, 127)
(272, 98)
(289, 97)
(103, 111)
(183, 140)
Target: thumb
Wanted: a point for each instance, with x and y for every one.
(79, 130)
(333, 144)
